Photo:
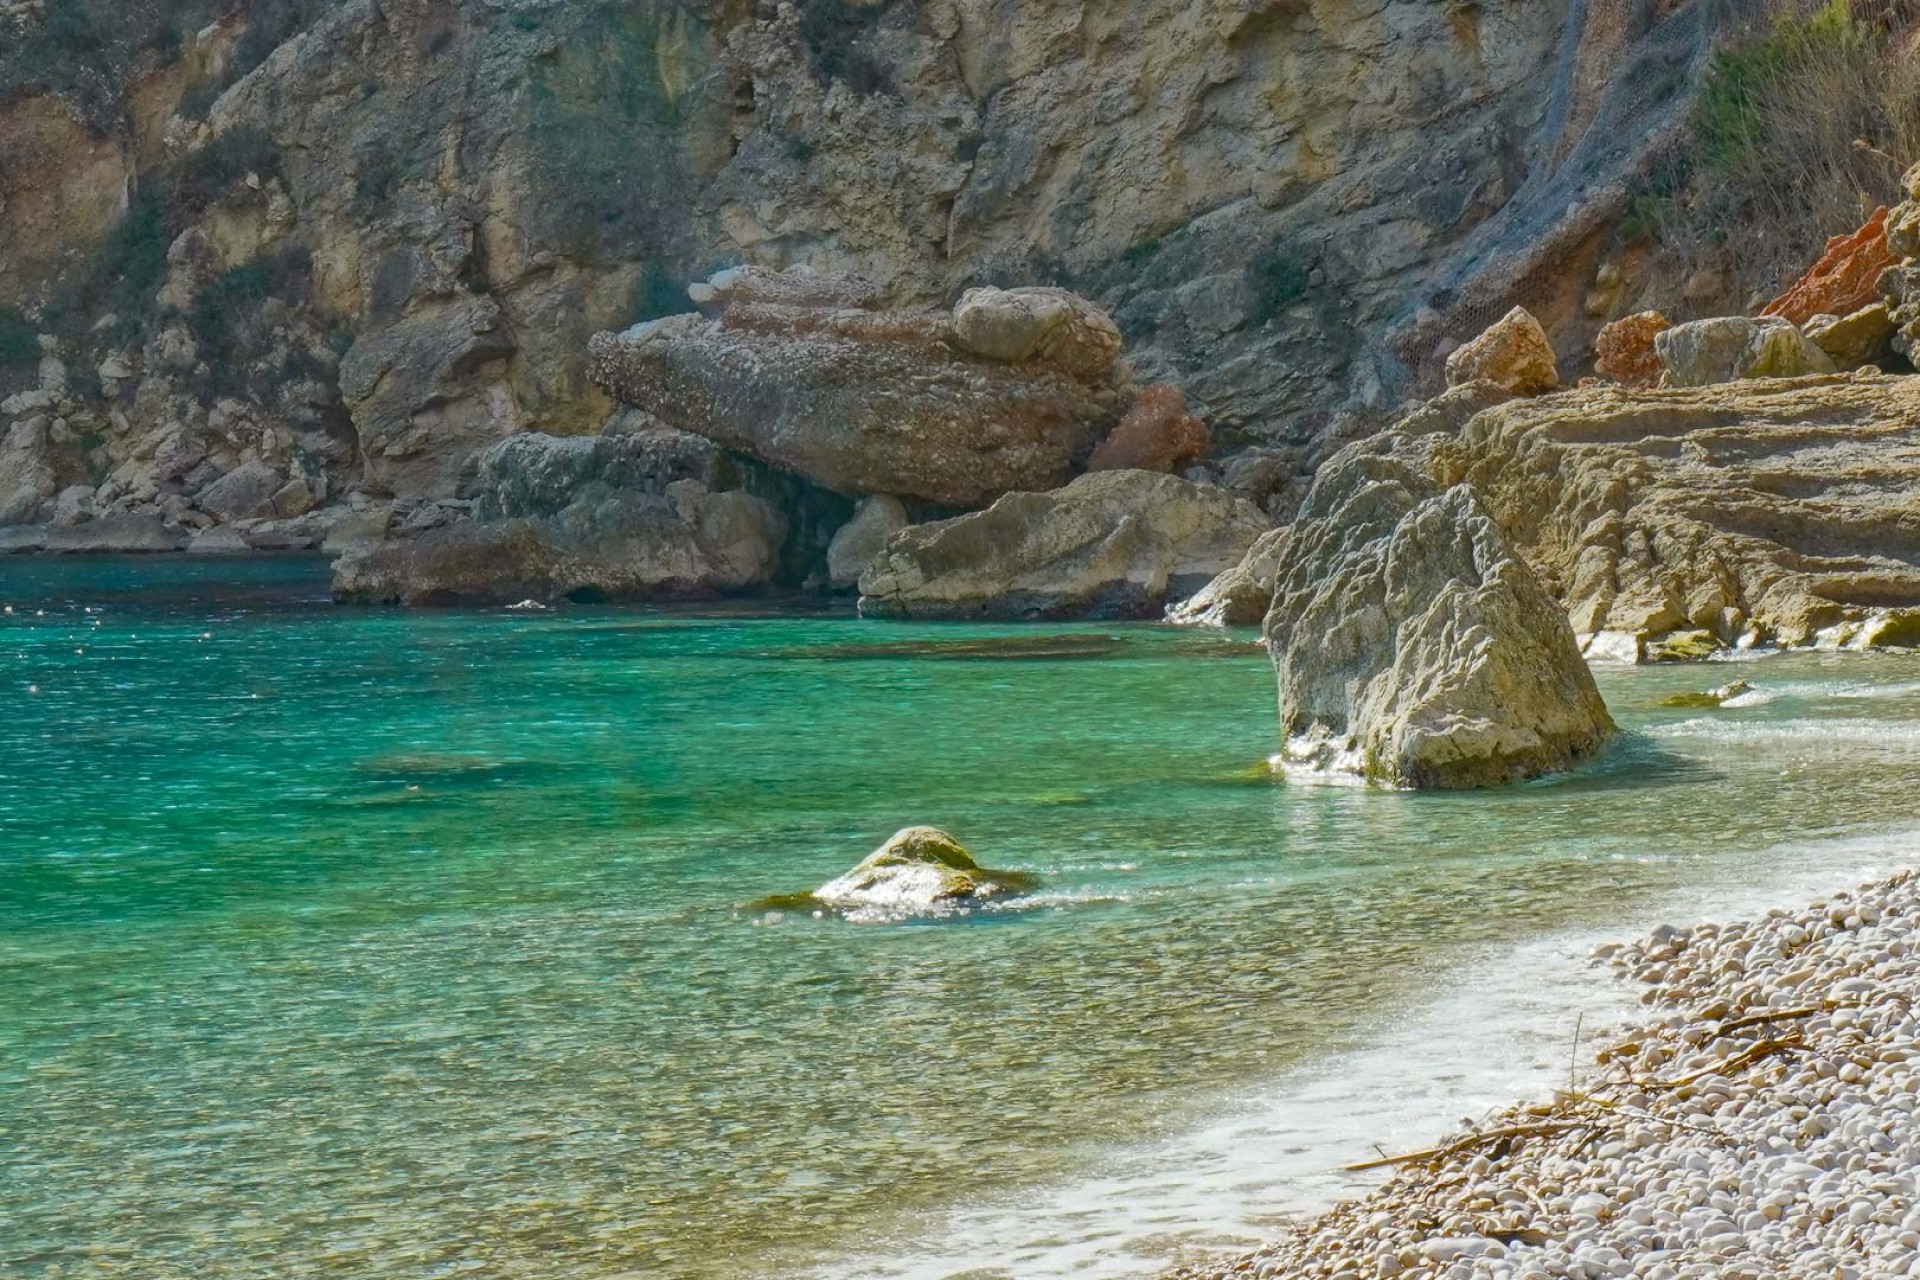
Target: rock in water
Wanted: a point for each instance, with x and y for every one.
(1730, 348)
(1008, 392)
(1513, 354)
(1240, 596)
(1412, 645)
(1113, 544)
(629, 516)
(918, 868)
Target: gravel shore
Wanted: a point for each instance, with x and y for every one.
(1762, 1123)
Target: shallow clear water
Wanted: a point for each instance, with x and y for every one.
(342, 942)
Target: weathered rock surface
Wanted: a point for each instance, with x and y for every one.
(1113, 544)
(1729, 348)
(1854, 341)
(1845, 279)
(867, 401)
(1765, 511)
(1625, 352)
(1241, 596)
(858, 542)
(917, 869)
(1156, 434)
(1513, 354)
(628, 516)
(1413, 646)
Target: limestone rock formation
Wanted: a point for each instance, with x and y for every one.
(858, 542)
(628, 516)
(1854, 341)
(867, 401)
(1845, 279)
(1513, 354)
(1729, 348)
(1413, 646)
(1241, 596)
(1752, 512)
(1113, 544)
(1156, 434)
(1625, 351)
(917, 869)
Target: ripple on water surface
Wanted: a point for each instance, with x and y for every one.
(368, 942)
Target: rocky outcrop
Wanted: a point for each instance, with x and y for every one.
(637, 515)
(917, 868)
(1113, 544)
(1625, 353)
(1845, 279)
(914, 403)
(1751, 512)
(858, 542)
(1413, 646)
(1156, 434)
(1512, 354)
(1854, 341)
(1729, 348)
(1241, 596)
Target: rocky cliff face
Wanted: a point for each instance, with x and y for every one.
(357, 242)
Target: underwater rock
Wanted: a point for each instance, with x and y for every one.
(1711, 697)
(1411, 643)
(917, 868)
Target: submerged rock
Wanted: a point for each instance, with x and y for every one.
(1711, 697)
(1113, 544)
(1007, 392)
(1412, 645)
(918, 868)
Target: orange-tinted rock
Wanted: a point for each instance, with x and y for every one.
(1513, 354)
(1157, 434)
(1843, 281)
(1624, 350)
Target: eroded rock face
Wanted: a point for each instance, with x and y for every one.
(1750, 512)
(1513, 354)
(1113, 544)
(1413, 645)
(865, 401)
(1730, 348)
(1854, 341)
(858, 542)
(1845, 279)
(613, 517)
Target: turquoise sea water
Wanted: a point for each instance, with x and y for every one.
(372, 943)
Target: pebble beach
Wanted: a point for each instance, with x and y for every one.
(1759, 1123)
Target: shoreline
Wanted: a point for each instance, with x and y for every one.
(1757, 1120)
(1268, 1162)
